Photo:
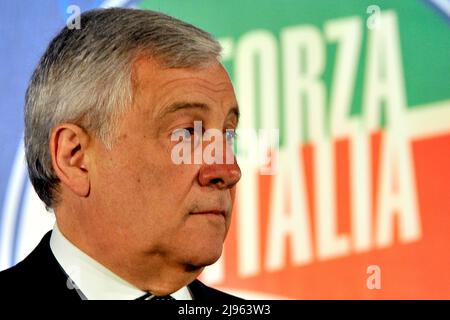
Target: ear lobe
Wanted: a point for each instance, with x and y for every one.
(68, 146)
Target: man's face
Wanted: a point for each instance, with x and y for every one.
(146, 205)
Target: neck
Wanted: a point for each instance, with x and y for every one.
(149, 271)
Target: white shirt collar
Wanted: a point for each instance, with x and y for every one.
(95, 281)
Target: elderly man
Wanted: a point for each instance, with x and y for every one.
(101, 111)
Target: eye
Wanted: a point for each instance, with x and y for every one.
(230, 135)
(188, 136)
(184, 133)
(188, 132)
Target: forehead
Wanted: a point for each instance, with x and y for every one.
(157, 87)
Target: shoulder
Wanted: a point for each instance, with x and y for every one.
(39, 272)
(10, 278)
(25, 273)
(17, 280)
(202, 292)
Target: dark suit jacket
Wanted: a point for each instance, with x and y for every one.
(41, 275)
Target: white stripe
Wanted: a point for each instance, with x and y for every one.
(444, 5)
(10, 206)
(114, 3)
(429, 120)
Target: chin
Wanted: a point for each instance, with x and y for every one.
(205, 257)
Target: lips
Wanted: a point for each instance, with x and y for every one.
(213, 212)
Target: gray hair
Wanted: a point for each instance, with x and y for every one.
(85, 77)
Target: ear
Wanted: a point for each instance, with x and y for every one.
(68, 148)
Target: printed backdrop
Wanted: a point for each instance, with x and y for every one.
(359, 206)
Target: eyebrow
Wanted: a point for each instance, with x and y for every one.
(177, 106)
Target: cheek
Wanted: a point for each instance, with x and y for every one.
(159, 186)
(160, 201)
(145, 185)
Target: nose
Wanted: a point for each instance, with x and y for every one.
(220, 176)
